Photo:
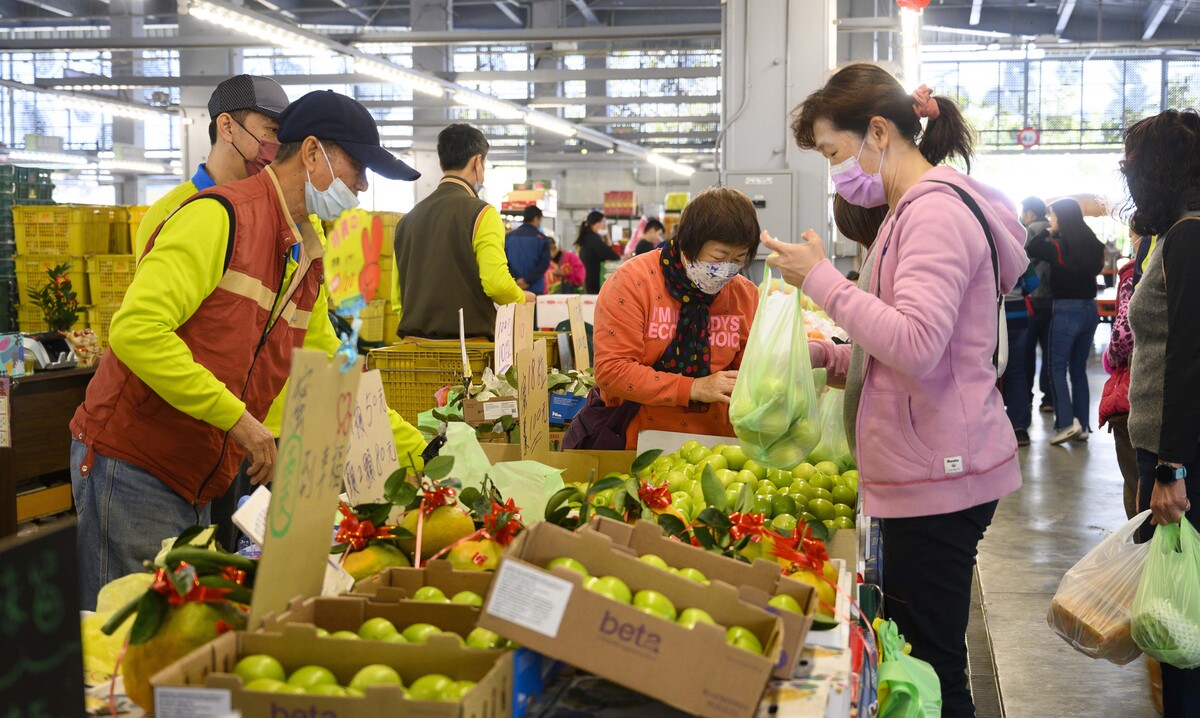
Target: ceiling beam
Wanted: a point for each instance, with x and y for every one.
(551, 102)
(651, 73)
(503, 7)
(129, 43)
(1064, 16)
(554, 34)
(1156, 12)
(62, 8)
(588, 14)
(976, 11)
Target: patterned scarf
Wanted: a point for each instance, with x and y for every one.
(689, 352)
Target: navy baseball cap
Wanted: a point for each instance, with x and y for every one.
(327, 115)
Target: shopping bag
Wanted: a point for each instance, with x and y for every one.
(1091, 609)
(908, 687)
(1166, 609)
(833, 446)
(773, 408)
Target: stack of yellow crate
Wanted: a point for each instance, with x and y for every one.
(387, 267)
(108, 277)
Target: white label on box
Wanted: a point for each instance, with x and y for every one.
(529, 597)
(337, 580)
(180, 702)
(496, 410)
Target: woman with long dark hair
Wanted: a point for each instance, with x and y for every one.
(1076, 257)
(935, 450)
(595, 248)
(1162, 171)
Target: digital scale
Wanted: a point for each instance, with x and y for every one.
(50, 350)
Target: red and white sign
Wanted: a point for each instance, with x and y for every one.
(1028, 137)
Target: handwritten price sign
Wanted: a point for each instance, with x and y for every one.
(371, 454)
(352, 264)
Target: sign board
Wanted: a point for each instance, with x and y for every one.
(352, 264)
(317, 421)
(579, 342)
(42, 670)
(523, 327)
(371, 453)
(1028, 137)
(5, 412)
(505, 351)
(533, 401)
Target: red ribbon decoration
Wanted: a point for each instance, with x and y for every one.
(197, 593)
(749, 524)
(505, 533)
(358, 533)
(657, 498)
(811, 553)
(436, 496)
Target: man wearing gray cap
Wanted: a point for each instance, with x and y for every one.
(230, 285)
(245, 117)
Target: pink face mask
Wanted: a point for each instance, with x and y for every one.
(855, 185)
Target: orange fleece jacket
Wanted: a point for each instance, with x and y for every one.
(635, 321)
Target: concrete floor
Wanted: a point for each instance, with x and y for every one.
(1070, 500)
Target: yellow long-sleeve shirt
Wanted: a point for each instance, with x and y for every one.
(488, 244)
(191, 264)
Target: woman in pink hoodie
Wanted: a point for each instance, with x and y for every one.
(935, 449)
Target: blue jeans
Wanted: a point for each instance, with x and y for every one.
(1072, 331)
(124, 514)
(1181, 687)
(1017, 402)
(1039, 336)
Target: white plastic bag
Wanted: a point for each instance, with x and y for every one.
(1091, 609)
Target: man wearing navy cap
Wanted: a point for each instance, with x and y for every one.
(228, 288)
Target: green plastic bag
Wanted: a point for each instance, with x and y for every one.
(908, 687)
(833, 447)
(1165, 622)
(773, 408)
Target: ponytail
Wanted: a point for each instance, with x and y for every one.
(593, 217)
(947, 135)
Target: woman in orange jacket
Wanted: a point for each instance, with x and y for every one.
(671, 324)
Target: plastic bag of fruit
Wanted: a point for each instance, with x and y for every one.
(908, 687)
(1165, 622)
(774, 404)
(1091, 609)
(833, 447)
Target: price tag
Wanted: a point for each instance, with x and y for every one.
(533, 400)
(523, 327)
(317, 422)
(41, 673)
(371, 453)
(579, 342)
(505, 352)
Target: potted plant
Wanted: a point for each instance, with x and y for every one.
(57, 299)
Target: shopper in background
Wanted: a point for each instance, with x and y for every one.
(1015, 382)
(566, 274)
(858, 224)
(1162, 171)
(671, 325)
(1114, 400)
(528, 252)
(595, 248)
(652, 237)
(245, 119)
(1076, 257)
(1041, 307)
(936, 450)
(450, 249)
(180, 397)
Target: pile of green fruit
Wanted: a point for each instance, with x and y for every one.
(263, 673)
(381, 629)
(433, 594)
(654, 603)
(809, 493)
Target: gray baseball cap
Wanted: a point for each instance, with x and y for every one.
(248, 92)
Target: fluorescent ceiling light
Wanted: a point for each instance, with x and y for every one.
(669, 164)
(489, 104)
(112, 107)
(550, 124)
(49, 158)
(246, 24)
(393, 73)
(105, 88)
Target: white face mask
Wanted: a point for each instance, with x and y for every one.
(603, 231)
(329, 203)
(711, 277)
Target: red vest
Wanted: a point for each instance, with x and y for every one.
(232, 334)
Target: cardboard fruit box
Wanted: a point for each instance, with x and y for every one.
(756, 582)
(694, 670)
(347, 613)
(210, 668)
(398, 584)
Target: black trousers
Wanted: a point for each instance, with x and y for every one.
(1181, 687)
(224, 506)
(928, 563)
(1039, 337)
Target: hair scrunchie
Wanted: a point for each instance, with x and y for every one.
(925, 105)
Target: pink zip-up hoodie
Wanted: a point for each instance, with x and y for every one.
(932, 436)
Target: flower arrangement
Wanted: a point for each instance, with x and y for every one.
(57, 299)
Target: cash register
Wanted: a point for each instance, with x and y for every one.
(50, 350)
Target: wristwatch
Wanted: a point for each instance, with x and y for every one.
(1166, 474)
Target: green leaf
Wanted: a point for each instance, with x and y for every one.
(455, 484)
(560, 497)
(609, 513)
(188, 534)
(114, 622)
(632, 487)
(402, 533)
(704, 536)
(671, 525)
(380, 515)
(182, 579)
(439, 468)
(404, 495)
(715, 519)
(469, 496)
(644, 461)
(398, 478)
(611, 482)
(745, 500)
(714, 492)
(559, 515)
(820, 531)
(482, 505)
(150, 613)
(619, 499)
(338, 548)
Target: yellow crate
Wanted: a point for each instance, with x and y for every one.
(109, 276)
(58, 214)
(136, 215)
(99, 317)
(372, 318)
(30, 319)
(31, 273)
(413, 370)
(390, 220)
(75, 238)
(386, 266)
(391, 322)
